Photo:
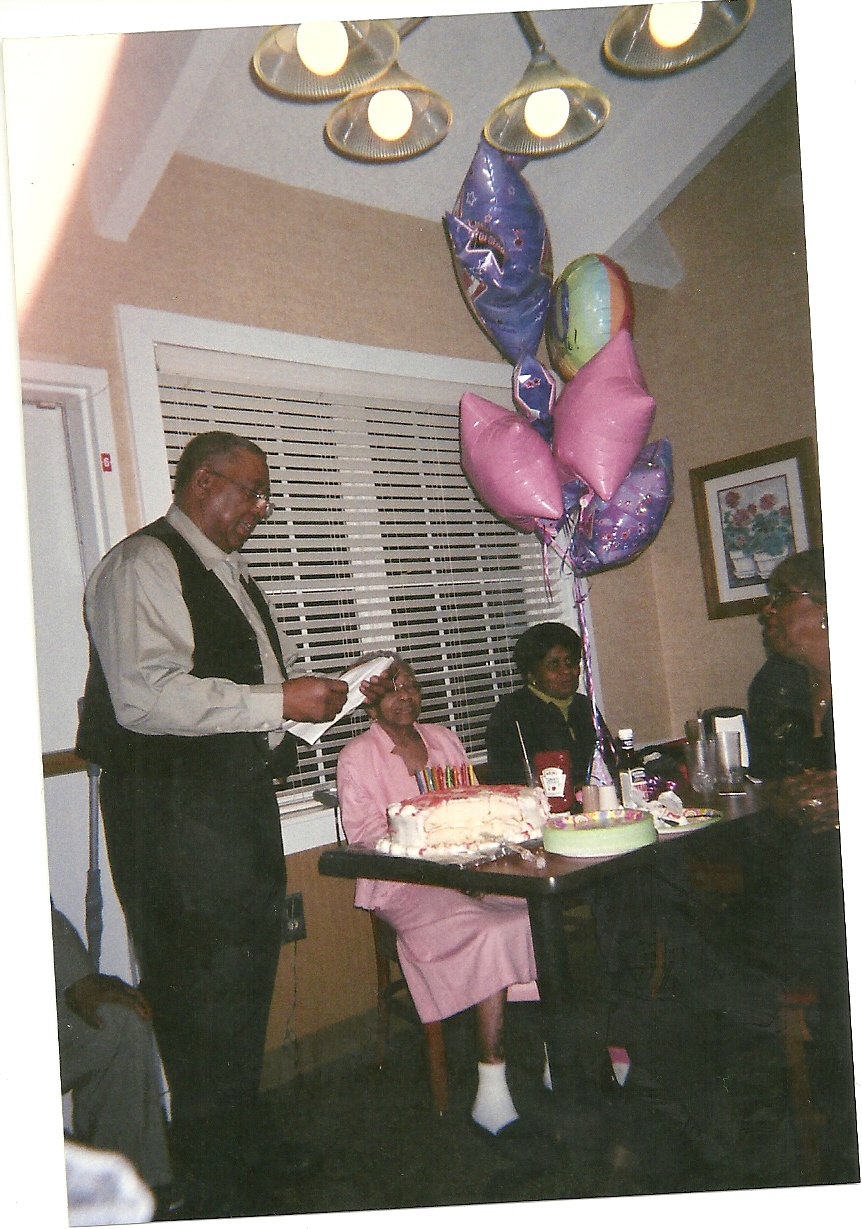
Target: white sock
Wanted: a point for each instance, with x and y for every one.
(493, 1108)
(546, 1074)
(620, 1062)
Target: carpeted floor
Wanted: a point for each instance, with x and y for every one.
(380, 1144)
(706, 1108)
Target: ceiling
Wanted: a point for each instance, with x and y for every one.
(192, 92)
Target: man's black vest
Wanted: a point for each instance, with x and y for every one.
(225, 646)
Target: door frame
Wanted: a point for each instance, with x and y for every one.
(82, 393)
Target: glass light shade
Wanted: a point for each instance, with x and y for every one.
(630, 48)
(277, 65)
(349, 130)
(508, 129)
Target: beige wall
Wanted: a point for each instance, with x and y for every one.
(725, 353)
(238, 248)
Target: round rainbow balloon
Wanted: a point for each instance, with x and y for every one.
(591, 301)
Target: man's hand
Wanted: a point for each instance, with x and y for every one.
(375, 688)
(810, 799)
(312, 698)
(89, 993)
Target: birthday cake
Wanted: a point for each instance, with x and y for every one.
(598, 834)
(465, 821)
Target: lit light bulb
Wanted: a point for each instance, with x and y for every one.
(390, 114)
(546, 112)
(322, 46)
(671, 25)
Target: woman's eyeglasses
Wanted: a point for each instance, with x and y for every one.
(781, 597)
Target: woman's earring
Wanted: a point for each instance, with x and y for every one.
(823, 622)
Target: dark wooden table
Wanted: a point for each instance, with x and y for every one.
(547, 890)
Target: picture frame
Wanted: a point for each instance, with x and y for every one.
(751, 512)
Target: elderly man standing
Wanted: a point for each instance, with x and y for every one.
(186, 693)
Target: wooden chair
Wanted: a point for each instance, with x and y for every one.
(391, 991)
(795, 1035)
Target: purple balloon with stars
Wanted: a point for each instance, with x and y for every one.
(502, 252)
(617, 530)
(534, 391)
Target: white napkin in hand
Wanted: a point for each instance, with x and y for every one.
(309, 731)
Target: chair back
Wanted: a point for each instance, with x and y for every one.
(329, 798)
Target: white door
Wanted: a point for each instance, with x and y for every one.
(59, 516)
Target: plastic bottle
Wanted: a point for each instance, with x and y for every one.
(633, 785)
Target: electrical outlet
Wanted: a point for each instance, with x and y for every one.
(293, 918)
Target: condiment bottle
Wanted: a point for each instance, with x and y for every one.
(633, 785)
(554, 770)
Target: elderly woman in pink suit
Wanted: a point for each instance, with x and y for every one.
(456, 951)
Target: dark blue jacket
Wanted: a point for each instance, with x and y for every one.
(543, 728)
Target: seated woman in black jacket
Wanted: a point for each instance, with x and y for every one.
(549, 710)
(629, 910)
(780, 722)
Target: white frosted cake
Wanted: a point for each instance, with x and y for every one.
(471, 820)
(598, 834)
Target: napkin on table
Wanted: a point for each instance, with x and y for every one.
(735, 724)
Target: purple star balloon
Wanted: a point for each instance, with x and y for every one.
(534, 391)
(502, 252)
(609, 532)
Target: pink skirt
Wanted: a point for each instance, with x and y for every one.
(456, 950)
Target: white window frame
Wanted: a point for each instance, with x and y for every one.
(317, 363)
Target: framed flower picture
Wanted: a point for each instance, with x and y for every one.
(751, 512)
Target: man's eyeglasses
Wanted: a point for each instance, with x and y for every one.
(257, 497)
(781, 597)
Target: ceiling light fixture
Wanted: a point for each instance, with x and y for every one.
(650, 40)
(323, 59)
(549, 110)
(389, 118)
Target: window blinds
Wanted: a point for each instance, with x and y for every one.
(377, 542)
